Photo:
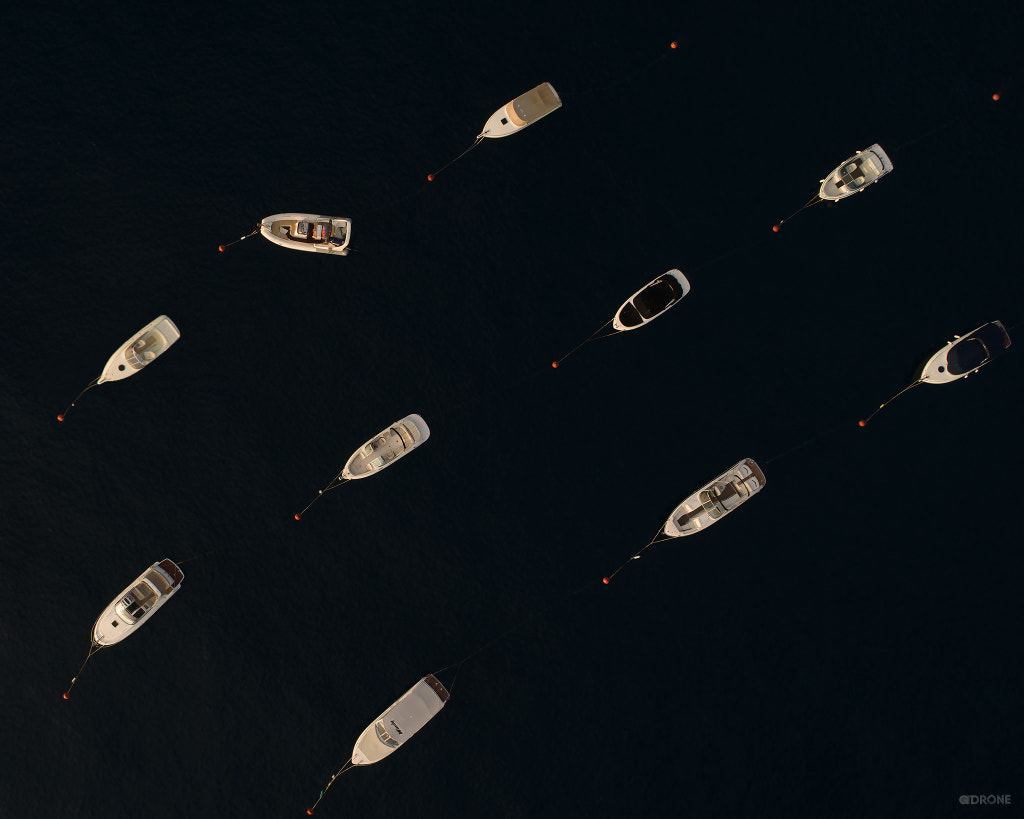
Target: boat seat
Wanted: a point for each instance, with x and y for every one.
(368, 449)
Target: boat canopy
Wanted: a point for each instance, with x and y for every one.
(535, 103)
(979, 347)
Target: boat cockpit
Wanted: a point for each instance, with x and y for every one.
(145, 350)
(852, 176)
(133, 606)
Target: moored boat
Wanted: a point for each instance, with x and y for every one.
(400, 721)
(141, 350)
(855, 173)
(966, 354)
(650, 301)
(136, 604)
(715, 500)
(523, 111)
(307, 231)
(386, 447)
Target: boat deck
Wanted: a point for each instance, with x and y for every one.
(382, 450)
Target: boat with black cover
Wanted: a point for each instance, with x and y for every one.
(966, 354)
(650, 301)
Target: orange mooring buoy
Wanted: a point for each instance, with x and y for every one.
(862, 423)
(60, 416)
(775, 228)
(430, 177)
(298, 516)
(606, 580)
(554, 364)
(221, 248)
(66, 695)
(675, 44)
(995, 97)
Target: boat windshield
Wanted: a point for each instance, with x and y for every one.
(384, 736)
(657, 296)
(134, 605)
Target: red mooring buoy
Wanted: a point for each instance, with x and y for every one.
(554, 364)
(60, 416)
(298, 516)
(606, 580)
(862, 423)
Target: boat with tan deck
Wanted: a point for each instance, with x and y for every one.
(141, 350)
(855, 173)
(135, 605)
(521, 112)
(307, 231)
(715, 500)
(386, 447)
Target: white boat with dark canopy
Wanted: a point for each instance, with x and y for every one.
(400, 721)
(141, 350)
(651, 301)
(136, 604)
(307, 231)
(856, 173)
(386, 447)
(522, 112)
(712, 502)
(966, 354)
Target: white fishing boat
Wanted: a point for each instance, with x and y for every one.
(712, 502)
(386, 447)
(650, 301)
(856, 173)
(307, 231)
(136, 604)
(403, 718)
(523, 111)
(141, 350)
(966, 354)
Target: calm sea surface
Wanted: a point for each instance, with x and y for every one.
(846, 645)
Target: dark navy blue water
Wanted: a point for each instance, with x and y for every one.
(845, 645)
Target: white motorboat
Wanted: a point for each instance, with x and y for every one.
(135, 605)
(403, 718)
(651, 301)
(307, 231)
(140, 350)
(523, 111)
(386, 447)
(856, 173)
(966, 354)
(714, 501)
